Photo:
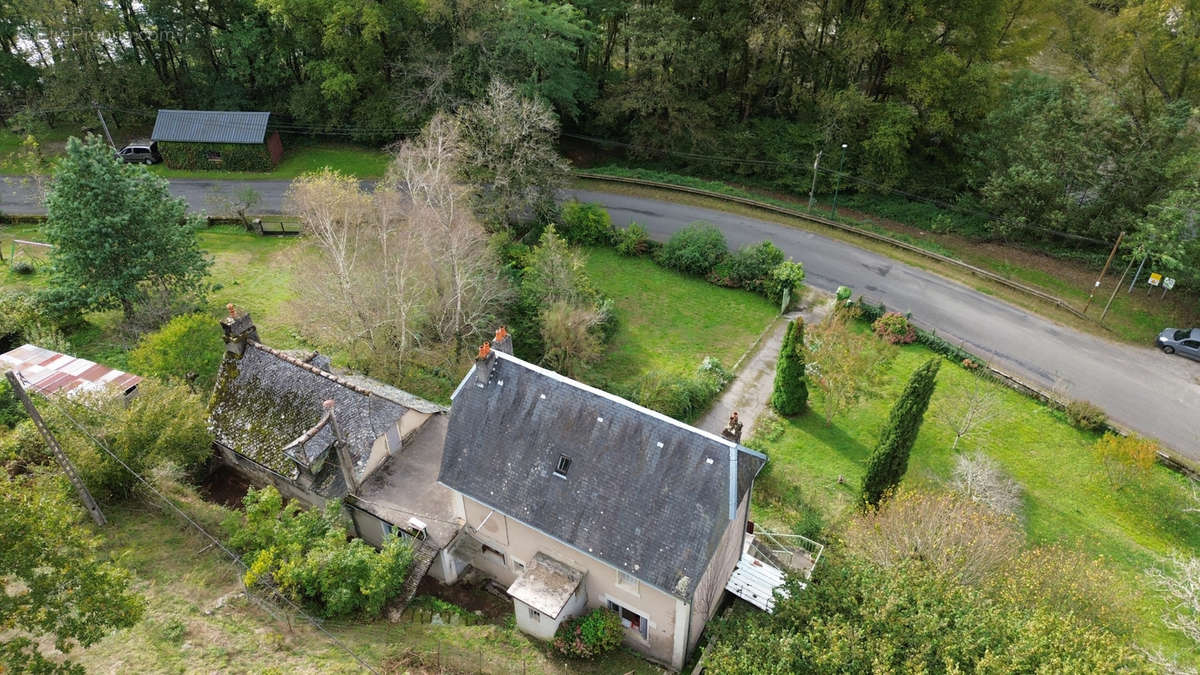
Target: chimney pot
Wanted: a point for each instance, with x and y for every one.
(232, 311)
(485, 349)
(328, 404)
(501, 333)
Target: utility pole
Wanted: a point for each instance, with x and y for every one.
(1104, 271)
(86, 497)
(838, 183)
(813, 190)
(1116, 288)
(104, 125)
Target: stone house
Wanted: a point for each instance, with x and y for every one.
(575, 498)
(287, 420)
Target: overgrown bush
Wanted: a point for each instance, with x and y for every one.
(1086, 416)
(163, 425)
(593, 634)
(683, 398)
(309, 556)
(981, 479)
(895, 328)
(1125, 457)
(749, 267)
(585, 223)
(188, 346)
(232, 156)
(696, 249)
(787, 277)
(23, 268)
(11, 410)
(632, 240)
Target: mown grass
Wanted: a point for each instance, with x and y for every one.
(669, 322)
(197, 620)
(1069, 498)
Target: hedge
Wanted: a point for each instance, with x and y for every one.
(871, 313)
(234, 156)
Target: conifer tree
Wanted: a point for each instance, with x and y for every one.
(889, 461)
(791, 392)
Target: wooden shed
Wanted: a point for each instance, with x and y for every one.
(201, 139)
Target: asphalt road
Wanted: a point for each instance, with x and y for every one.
(1155, 394)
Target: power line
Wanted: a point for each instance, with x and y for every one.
(847, 176)
(235, 558)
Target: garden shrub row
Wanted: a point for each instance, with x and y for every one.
(683, 398)
(234, 156)
(872, 313)
(698, 249)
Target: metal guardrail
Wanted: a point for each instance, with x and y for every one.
(781, 547)
(794, 213)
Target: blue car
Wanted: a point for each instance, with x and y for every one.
(1183, 342)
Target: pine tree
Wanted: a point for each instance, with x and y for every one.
(889, 461)
(791, 392)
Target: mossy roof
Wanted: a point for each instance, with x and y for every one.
(265, 400)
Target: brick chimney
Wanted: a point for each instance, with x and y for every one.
(503, 341)
(485, 364)
(238, 331)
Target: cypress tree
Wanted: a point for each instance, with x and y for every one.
(889, 461)
(791, 391)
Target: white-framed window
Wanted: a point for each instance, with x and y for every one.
(627, 582)
(632, 620)
(534, 615)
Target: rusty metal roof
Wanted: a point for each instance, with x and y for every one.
(48, 372)
(210, 126)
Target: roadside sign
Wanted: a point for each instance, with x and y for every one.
(1168, 283)
(1155, 279)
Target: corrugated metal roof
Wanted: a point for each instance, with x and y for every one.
(210, 126)
(48, 371)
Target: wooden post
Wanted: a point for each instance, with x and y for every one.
(86, 497)
(1104, 271)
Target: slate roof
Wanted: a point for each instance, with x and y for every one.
(210, 126)
(644, 493)
(268, 400)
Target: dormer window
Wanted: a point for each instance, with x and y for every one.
(564, 465)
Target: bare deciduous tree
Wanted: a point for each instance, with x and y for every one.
(1182, 583)
(980, 478)
(510, 153)
(402, 267)
(968, 408)
(844, 364)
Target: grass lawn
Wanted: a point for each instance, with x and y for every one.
(1069, 498)
(669, 322)
(197, 621)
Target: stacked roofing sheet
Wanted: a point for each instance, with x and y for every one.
(48, 372)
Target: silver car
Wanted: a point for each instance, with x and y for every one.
(1184, 342)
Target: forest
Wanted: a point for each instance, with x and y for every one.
(1062, 122)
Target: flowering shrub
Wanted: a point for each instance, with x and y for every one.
(895, 328)
(590, 635)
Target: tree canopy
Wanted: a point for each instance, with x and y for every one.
(119, 237)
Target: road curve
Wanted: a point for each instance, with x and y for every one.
(1139, 387)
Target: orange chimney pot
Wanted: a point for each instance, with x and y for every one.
(485, 349)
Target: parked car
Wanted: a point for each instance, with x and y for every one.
(1183, 342)
(140, 152)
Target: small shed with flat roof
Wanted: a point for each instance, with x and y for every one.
(238, 141)
(49, 372)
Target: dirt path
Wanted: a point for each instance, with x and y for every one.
(750, 391)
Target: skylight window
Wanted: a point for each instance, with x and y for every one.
(564, 465)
